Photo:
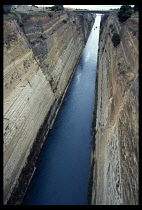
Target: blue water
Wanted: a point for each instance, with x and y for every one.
(62, 173)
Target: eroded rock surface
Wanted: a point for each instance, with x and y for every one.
(40, 55)
(116, 154)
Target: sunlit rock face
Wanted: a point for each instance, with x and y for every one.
(115, 159)
(40, 55)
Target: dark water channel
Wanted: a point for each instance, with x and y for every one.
(62, 173)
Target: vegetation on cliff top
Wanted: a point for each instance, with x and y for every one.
(10, 11)
(124, 13)
(57, 8)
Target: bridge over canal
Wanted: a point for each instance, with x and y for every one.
(92, 11)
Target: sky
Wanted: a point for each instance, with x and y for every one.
(93, 7)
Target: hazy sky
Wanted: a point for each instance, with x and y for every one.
(93, 7)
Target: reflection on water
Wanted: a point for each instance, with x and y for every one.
(87, 57)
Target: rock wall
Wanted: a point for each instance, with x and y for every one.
(40, 55)
(115, 157)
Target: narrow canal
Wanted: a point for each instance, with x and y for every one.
(62, 173)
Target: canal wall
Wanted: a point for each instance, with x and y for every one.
(40, 55)
(114, 162)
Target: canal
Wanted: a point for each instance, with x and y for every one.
(62, 170)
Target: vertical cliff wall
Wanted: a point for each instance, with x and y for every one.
(114, 168)
(40, 55)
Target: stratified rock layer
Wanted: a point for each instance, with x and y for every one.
(40, 55)
(115, 159)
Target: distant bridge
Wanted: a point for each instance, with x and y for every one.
(92, 11)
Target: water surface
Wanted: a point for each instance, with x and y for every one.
(62, 173)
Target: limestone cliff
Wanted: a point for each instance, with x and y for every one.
(114, 169)
(40, 55)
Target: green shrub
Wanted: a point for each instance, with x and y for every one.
(124, 13)
(116, 39)
(113, 29)
(57, 8)
(64, 21)
(103, 49)
(24, 17)
(111, 25)
(50, 14)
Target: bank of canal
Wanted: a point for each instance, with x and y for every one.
(62, 170)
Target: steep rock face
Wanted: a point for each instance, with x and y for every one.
(40, 54)
(57, 38)
(115, 159)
